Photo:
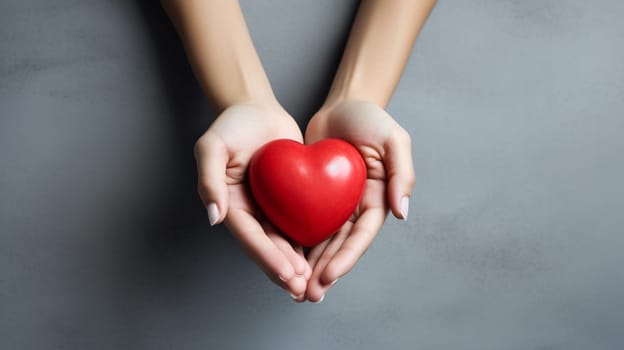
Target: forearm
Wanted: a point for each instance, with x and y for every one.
(378, 48)
(220, 50)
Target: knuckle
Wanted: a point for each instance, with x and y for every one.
(204, 142)
(404, 137)
(199, 144)
(411, 178)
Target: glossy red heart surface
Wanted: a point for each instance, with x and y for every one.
(307, 191)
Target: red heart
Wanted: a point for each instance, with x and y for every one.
(307, 192)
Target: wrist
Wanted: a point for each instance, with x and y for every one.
(332, 104)
(347, 90)
(266, 100)
(258, 108)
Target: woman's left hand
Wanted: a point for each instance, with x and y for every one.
(386, 149)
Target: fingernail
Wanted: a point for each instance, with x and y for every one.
(320, 300)
(404, 207)
(213, 213)
(281, 278)
(296, 297)
(334, 282)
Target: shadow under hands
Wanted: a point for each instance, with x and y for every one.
(173, 259)
(178, 229)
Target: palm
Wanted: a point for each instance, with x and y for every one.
(243, 130)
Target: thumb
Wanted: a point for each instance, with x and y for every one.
(212, 158)
(400, 172)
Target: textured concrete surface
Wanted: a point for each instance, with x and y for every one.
(516, 230)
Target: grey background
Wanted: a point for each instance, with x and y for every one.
(515, 235)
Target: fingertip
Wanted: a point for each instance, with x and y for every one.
(320, 300)
(404, 207)
(213, 213)
(300, 267)
(315, 294)
(314, 288)
(211, 158)
(307, 269)
(298, 298)
(402, 177)
(295, 258)
(396, 212)
(297, 287)
(286, 274)
(332, 272)
(400, 207)
(399, 192)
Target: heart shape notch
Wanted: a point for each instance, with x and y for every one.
(307, 191)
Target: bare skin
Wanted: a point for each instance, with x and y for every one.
(376, 54)
(229, 70)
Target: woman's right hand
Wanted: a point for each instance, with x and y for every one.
(223, 153)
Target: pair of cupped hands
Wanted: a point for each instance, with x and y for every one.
(223, 153)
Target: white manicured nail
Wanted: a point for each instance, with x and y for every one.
(296, 297)
(404, 207)
(320, 300)
(334, 282)
(213, 213)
